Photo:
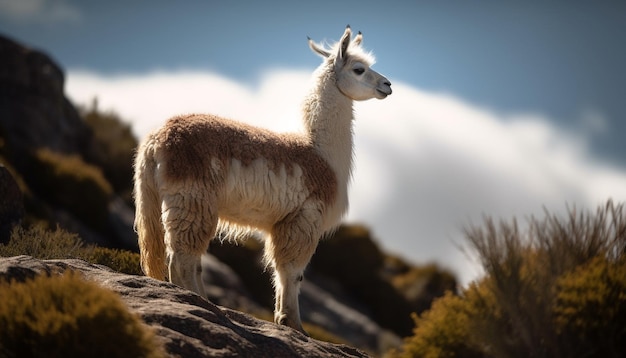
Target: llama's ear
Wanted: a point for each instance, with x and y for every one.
(344, 43)
(358, 39)
(317, 49)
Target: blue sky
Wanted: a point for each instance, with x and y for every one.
(499, 107)
(552, 57)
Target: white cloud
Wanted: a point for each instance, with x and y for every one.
(148, 100)
(426, 164)
(39, 11)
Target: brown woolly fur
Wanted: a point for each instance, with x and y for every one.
(148, 218)
(191, 142)
(66, 316)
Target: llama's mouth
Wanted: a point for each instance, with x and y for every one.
(383, 94)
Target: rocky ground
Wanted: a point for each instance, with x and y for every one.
(188, 325)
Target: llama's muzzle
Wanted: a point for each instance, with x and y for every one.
(384, 89)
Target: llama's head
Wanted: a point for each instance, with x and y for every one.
(355, 78)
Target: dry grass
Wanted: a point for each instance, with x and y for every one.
(43, 243)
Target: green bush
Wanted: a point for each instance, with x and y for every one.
(66, 316)
(556, 289)
(67, 181)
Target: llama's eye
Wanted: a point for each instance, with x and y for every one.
(359, 71)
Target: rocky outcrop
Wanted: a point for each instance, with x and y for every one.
(33, 109)
(188, 325)
(35, 114)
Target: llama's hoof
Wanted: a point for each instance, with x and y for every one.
(284, 320)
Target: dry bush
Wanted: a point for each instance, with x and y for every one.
(119, 260)
(590, 310)
(556, 289)
(66, 316)
(42, 243)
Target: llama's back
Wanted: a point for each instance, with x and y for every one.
(148, 212)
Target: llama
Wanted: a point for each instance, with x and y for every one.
(200, 175)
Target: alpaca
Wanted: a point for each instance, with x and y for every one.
(200, 175)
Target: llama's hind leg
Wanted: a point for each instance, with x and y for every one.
(289, 249)
(189, 227)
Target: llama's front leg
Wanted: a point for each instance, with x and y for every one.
(287, 310)
(289, 249)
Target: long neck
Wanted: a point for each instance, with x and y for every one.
(328, 120)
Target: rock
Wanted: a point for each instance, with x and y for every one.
(225, 288)
(11, 204)
(120, 224)
(34, 112)
(326, 310)
(189, 325)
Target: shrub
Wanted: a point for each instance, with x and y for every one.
(443, 331)
(42, 243)
(66, 316)
(590, 311)
(119, 260)
(556, 289)
(67, 181)
(524, 267)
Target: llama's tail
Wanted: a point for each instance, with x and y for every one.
(148, 213)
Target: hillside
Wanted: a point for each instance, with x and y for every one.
(70, 169)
